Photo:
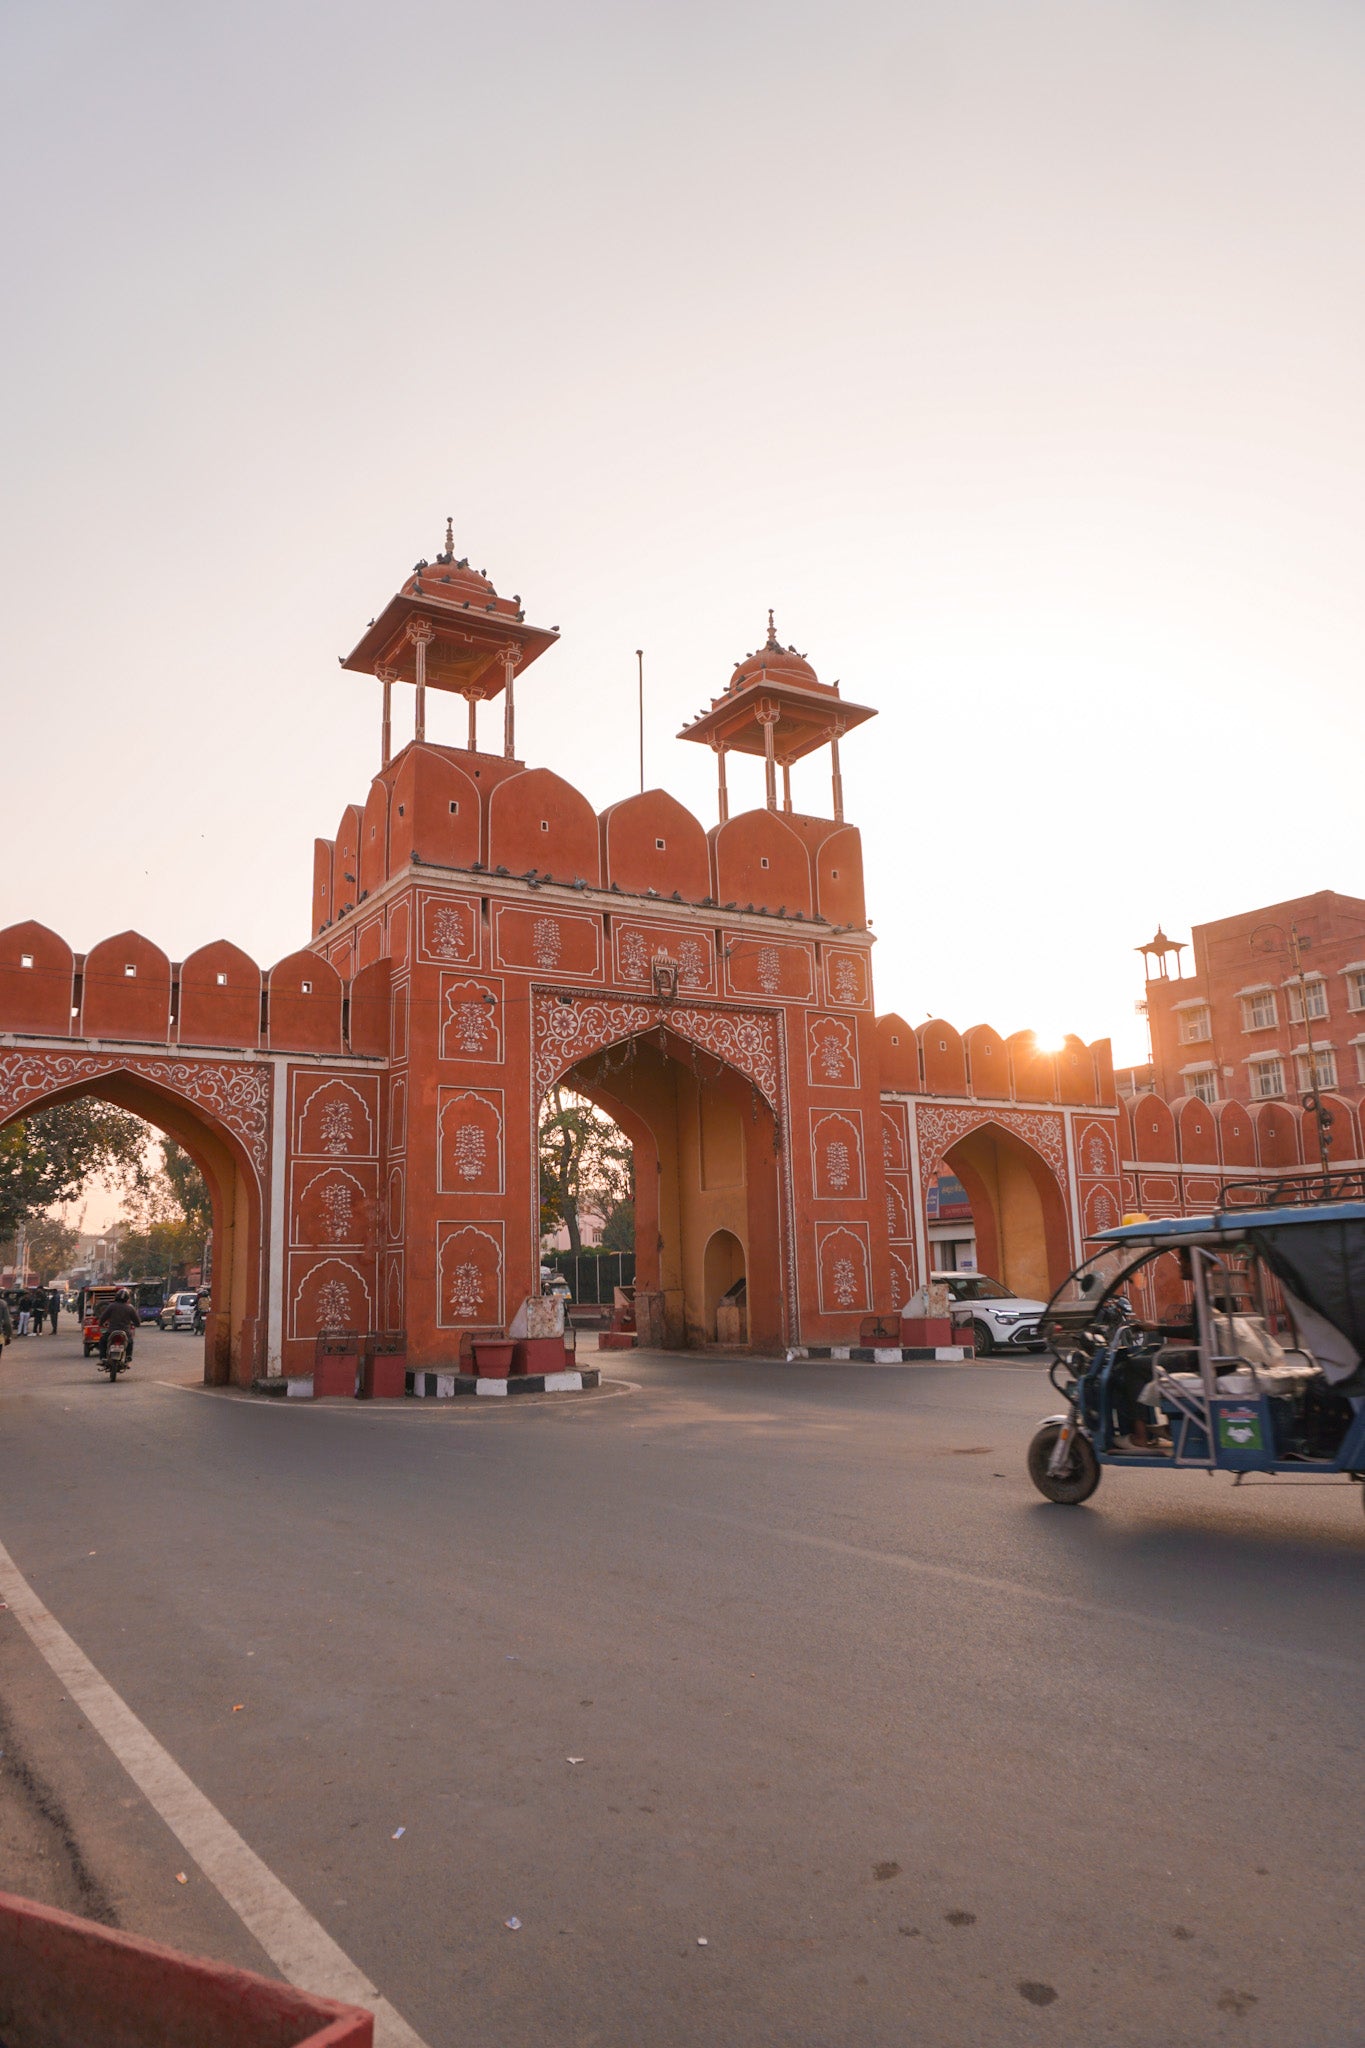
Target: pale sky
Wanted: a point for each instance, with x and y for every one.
(1012, 352)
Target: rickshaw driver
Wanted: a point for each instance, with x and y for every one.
(118, 1314)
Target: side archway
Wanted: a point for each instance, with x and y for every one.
(1018, 1209)
(219, 1114)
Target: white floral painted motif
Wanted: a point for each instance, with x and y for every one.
(334, 1305)
(1097, 1155)
(449, 932)
(888, 1149)
(471, 1151)
(892, 1215)
(473, 1025)
(691, 963)
(838, 1168)
(337, 1125)
(546, 943)
(845, 1283)
(634, 958)
(847, 983)
(466, 1289)
(337, 1211)
(769, 970)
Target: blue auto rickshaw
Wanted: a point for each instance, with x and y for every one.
(1226, 1343)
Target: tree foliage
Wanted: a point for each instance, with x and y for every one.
(169, 1217)
(49, 1248)
(587, 1164)
(48, 1158)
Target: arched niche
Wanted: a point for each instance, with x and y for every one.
(1196, 1126)
(759, 860)
(220, 997)
(37, 976)
(723, 1268)
(126, 986)
(368, 1011)
(538, 820)
(652, 841)
(305, 1005)
(346, 862)
(374, 838)
(1153, 1129)
(434, 813)
(943, 1058)
(988, 1063)
(898, 1055)
(839, 892)
(1033, 1071)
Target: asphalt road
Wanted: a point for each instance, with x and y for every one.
(922, 1759)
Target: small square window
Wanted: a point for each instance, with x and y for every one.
(454, 808)
(130, 970)
(305, 988)
(401, 809)
(26, 959)
(764, 862)
(834, 874)
(221, 980)
(544, 824)
(659, 846)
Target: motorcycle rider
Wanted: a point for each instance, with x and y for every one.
(118, 1314)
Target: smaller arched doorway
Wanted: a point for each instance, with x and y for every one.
(723, 1281)
(1018, 1210)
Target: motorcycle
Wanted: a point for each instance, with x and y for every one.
(114, 1359)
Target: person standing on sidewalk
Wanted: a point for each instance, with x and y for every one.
(54, 1302)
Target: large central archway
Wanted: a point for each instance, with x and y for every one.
(233, 1327)
(706, 1163)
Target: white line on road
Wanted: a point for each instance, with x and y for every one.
(300, 1948)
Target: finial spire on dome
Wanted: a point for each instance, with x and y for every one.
(772, 631)
(449, 555)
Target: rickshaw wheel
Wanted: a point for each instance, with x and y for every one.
(1082, 1473)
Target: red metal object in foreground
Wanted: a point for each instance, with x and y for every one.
(68, 1983)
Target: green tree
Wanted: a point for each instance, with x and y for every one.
(49, 1248)
(170, 1215)
(48, 1158)
(586, 1163)
(618, 1234)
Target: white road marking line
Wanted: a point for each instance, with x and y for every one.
(1141, 1622)
(301, 1949)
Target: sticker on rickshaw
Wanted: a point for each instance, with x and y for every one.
(1239, 1429)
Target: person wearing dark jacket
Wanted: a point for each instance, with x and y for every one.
(54, 1302)
(118, 1314)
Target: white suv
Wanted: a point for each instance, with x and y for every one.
(1001, 1320)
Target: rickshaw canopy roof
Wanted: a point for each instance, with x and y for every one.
(1317, 1251)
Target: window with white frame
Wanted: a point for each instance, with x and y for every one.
(1203, 1082)
(1267, 1078)
(1309, 998)
(1259, 1011)
(1317, 1070)
(1360, 1062)
(1355, 988)
(1194, 1025)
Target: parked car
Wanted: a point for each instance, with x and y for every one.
(1001, 1319)
(179, 1312)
